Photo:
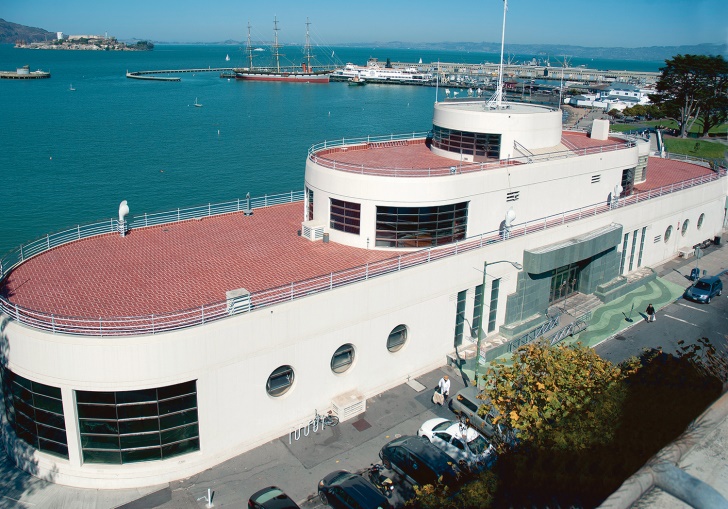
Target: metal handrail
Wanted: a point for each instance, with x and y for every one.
(317, 154)
(151, 324)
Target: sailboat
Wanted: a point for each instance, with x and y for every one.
(305, 74)
(71, 88)
(198, 105)
(227, 58)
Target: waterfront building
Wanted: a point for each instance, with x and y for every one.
(140, 358)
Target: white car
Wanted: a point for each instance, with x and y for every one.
(462, 443)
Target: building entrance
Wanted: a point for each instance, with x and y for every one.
(564, 282)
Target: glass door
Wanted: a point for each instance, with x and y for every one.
(564, 282)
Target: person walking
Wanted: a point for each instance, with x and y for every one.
(444, 386)
(650, 313)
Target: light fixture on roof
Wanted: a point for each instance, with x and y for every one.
(123, 211)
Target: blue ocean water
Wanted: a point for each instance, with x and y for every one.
(69, 157)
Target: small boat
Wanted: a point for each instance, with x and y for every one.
(71, 88)
(198, 105)
(356, 81)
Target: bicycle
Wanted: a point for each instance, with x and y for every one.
(328, 419)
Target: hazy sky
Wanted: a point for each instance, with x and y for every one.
(628, 23)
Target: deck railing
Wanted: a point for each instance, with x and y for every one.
(318, 154)
(151, 324)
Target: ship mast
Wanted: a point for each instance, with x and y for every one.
(250, 49)
(275, 43)
(497, 98)
(308, 47)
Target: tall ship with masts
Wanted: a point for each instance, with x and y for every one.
(304, 74)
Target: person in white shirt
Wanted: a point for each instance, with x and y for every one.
(444, 385)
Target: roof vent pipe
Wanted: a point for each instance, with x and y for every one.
(123, 211)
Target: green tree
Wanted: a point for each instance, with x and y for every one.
(692, 87)
(558, 397)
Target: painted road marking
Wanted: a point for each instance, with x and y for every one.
(693, 308)
(680, 320)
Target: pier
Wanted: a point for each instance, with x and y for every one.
(24, 73)
(153, 75)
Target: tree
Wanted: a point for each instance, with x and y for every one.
(562, 397)
(692, 87)
(614, 113)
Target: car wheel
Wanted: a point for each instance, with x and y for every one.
(324, 500)
(720, 292)
(707, 301)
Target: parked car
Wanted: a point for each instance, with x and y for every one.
(342, 489)
(466, 404)
(271, 497)
(419, 462)
(461, 442)
(704, 289)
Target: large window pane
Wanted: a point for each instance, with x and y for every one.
(35, 412)
(345, 216)
(421, 226)
(127, 428)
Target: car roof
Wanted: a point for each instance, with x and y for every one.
(356, 486)
(709, 279)
(424, 449)
(277, 500)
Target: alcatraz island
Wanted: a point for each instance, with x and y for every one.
(86, 42)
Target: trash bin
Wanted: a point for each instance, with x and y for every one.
(326, 238)
(694, 274)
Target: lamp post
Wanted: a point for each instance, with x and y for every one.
(517, 266)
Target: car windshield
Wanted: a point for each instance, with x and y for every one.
(478, 445)
(442, 426)
(702, 285)
(268, 496)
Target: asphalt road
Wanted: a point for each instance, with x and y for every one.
(683, 320)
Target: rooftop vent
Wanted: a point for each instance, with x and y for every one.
(312, 230)
(238, 301)
(348, 405)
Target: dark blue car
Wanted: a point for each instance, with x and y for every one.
(704, 289)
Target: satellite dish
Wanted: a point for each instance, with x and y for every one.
(618, 191)
(123, 211)
(510, 217)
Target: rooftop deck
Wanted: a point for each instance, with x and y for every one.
(412, 157)
(177, 274)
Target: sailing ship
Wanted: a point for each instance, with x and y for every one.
(306, 74)
(197, 105)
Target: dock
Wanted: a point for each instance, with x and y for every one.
(153, 75)
(24, 73)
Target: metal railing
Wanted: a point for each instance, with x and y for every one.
(317, 154)
(515, 344)
(151, 324)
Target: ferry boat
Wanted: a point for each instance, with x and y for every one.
(374, 71)
(306, 73)
(143, 366)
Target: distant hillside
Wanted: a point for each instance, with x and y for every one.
(11, 32)
(651, 53)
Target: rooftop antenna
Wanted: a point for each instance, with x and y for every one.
(497, 98)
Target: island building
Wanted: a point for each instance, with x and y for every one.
(152, 347)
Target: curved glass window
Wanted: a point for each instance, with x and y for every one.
(421, 226)
(35, 412)
(464, 142)
(142, 425)
(685, 225)
(345, 216)
(668, 232)
(700, 221)
(397, 338)
(343, 358)
(280, 381)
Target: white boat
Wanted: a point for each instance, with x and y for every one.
(71, 88)
(198, 105)
(375, 71)
(227, 58)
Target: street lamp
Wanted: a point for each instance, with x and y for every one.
(517, 266)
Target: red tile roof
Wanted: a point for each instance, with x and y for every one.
(664, 172)
(177, 266)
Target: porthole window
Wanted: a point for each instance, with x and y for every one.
(280, 381)
(668, 232)
(685, 225)
(700, 221)
(343, 358)
(397, 338)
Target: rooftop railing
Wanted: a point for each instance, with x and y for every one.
(318, 154)
(152, 324)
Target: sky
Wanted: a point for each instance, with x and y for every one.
(615, 23)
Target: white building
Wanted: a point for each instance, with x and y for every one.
(128, 362)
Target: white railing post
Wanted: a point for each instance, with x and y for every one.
(331, 280)
(366, 273)
(53, 323)
(48, 241)
(202, 313)
(177, 214)
(291, 291)
(152, 323)
(399, 263)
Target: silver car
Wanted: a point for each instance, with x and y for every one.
(462, 443)
(466, 404)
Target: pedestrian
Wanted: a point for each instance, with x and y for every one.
(650, 313)
(444, 386)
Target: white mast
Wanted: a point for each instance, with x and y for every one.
(496, 100)
(308, 48)
(275, 43)
(250, 49)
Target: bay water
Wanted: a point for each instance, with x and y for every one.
(69, 157)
